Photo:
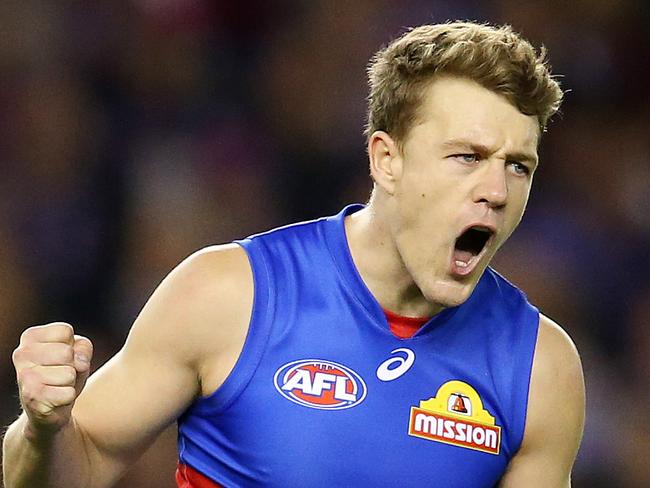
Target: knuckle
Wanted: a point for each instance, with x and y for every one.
(39, 391)
(61, 330)
(27, 335)
(29, 392)
(23, 354)
(26, 394)
(71, 394)
(68, 354)
(66, 396)
(64, 329)
(18, 355)
(69, 375)
(58, 354)
(27, 378)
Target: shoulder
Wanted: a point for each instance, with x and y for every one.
(557, 385)
(555, 415)
(557, 377)
(553, 340)
(212, 279)
(557, 380)
(201, 310)
(213, 272)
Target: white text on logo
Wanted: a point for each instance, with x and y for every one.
(320, 384)
(301, 380)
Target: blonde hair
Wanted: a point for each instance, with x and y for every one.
(497, 58)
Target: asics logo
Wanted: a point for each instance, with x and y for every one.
(394, 367)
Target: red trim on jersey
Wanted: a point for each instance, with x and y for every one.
(404, 327)
(186, 477)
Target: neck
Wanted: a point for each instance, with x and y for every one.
(380, 265)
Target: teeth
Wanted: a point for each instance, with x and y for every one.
(461, 264)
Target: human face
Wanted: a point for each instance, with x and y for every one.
(465, 169)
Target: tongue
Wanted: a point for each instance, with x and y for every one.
(463, 256)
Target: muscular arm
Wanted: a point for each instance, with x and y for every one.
(183, 344)
(555, 418)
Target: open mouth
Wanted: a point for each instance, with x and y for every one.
(469, 245)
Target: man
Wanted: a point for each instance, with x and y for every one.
(372, 348)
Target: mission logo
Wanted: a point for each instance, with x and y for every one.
(321, 384)
(456, 416)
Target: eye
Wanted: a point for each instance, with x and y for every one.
(519, 168)
(466, 158)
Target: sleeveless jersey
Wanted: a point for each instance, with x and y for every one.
(323, 394)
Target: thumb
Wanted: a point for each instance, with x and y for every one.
(83, 353)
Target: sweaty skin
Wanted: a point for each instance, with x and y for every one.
(468, 160)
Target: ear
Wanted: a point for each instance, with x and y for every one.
(385, 161)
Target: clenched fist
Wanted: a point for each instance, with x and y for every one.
(52, 365)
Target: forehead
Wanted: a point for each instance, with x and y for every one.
(457, 108)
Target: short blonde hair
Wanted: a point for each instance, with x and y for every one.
(497, 58)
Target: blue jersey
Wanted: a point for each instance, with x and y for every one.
(324, 394)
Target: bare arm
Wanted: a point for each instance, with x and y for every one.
(556, 412)
(184, 343)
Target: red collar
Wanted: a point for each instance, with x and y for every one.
(404, 327)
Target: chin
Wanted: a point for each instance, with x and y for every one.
(450, 293)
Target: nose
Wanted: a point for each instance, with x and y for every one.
(492, 186)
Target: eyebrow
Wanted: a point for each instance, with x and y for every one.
(483, 149)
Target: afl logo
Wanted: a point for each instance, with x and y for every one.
(321, 384)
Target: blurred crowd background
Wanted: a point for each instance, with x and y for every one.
(135, 132)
